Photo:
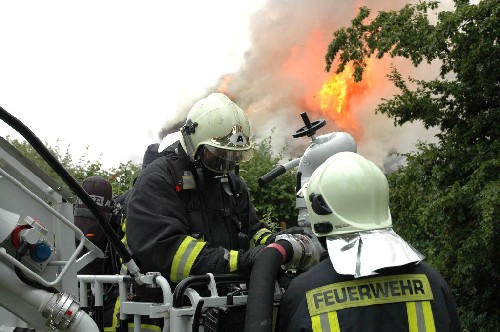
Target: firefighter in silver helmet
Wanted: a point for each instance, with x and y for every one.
(189, 212)
(369, 279)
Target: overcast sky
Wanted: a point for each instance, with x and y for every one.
(110, 74)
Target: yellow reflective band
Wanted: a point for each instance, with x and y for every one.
(333, 320)
(316, 323)
(257, 238)
(369, 291)
(412, 316)
(124, 223)
(124, 241)
(124, 238)
(326, 322)
(177, 258)
(184, 258)
(192, 257)
(116, 310)
(144, 327)
(420, 317)
(233, 260)
(264, 239)
(428, 316)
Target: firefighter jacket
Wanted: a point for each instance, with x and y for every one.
(179, 227)
(414, 298)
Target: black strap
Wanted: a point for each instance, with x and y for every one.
(235, 183)
(86, 213)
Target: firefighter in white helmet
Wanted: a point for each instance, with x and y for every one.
(189, 212)
(369, 279)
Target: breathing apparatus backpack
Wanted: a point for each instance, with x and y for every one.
(101, 191)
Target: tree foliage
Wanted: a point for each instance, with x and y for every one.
(275, 202)
(120, 178)
(446, 200)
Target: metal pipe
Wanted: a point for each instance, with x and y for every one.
(167, 298)
(28, 303)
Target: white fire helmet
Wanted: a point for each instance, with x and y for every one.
(218, 132)
(347, 194)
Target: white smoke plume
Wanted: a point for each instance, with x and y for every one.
(284, 70)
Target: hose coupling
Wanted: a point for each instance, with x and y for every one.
(61, 310)
(305, 254)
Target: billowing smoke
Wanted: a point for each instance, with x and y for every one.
(283, 75)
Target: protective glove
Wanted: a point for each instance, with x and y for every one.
(292, 230)
(246, 259)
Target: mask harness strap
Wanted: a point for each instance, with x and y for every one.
(200, 180)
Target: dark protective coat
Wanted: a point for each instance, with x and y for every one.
(162, 215)
(294, 313)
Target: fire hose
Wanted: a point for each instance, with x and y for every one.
(292, 251)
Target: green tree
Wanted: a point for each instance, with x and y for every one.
(274, 202)
(121, 178)
(446, 200)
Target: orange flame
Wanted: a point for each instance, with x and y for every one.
(305, 85)
(335, 95)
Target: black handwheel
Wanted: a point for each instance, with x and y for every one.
(310, 128)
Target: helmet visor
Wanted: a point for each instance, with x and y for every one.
(237, 156)
(223, 160)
